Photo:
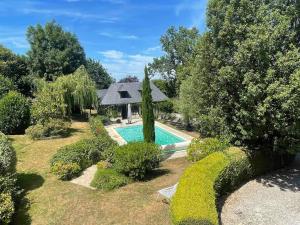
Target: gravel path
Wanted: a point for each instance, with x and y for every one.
(273, 199)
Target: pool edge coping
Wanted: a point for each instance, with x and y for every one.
(181, 146)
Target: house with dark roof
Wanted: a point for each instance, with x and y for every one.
(126, 94)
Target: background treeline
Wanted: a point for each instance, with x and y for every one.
(44, 87)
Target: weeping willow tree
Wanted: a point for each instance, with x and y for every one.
(80, 90)
(59, 98)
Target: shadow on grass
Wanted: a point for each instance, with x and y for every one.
(155, 174)
(27, 182)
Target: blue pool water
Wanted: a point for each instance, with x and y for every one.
(135, 133)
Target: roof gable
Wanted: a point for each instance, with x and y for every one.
(111, 96)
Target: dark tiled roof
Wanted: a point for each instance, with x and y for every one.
(111, 96)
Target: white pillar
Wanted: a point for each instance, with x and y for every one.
(129, 114)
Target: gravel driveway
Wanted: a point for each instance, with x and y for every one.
(273, 199)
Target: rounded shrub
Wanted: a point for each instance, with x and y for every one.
(136, 159)
(200, 148)
(53, 128)
(65, 171)
(14, 113)
(70, 160)
(8, 157)
(8, 183)
(83, 153)
(103, 165)
(7, 208)
(109, 179)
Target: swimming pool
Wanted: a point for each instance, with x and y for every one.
(135, 133)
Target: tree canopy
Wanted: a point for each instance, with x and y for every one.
(129, 79)
(56, 100)
(53, 51)
(245, 77)
(178, 45)
(14, 67)
(98, 74)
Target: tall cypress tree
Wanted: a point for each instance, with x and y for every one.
(147, 110)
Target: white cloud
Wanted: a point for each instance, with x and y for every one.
(112, 54)
(72, 14)
(119, 36)
(18, 42)
(153, 49)
(13, 37)
(196, 8)
(120, 64)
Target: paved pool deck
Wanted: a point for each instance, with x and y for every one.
(179, 148)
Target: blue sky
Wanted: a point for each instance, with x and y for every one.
(123, 34)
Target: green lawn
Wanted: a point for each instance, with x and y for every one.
(50, 201)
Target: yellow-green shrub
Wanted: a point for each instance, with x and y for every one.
(65, 171)
(194, 201)
(200, 148)
(215, 175)
(109, 179)
(7, 208)
(103, 165)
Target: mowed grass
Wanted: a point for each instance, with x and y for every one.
(50, 201)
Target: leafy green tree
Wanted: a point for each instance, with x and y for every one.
(49, 104)
(178, 46)
(6, 85)
(15, 68)
(57, 100)
(245, 77)
(147, 110)
(53, 51)
(98, 74)
(80, 90)
(163, 86)
(129, 79)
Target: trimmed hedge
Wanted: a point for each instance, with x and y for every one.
(109, 179)
(8, 157)
(7, 208)
(9, 192)
(71, 160)
(14, 113)
(194, 201)
(98, 130)
(200, 148)
(218, 173)
(97, 126)
(137, 158)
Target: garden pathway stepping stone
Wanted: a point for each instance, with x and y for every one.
(86, 178)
